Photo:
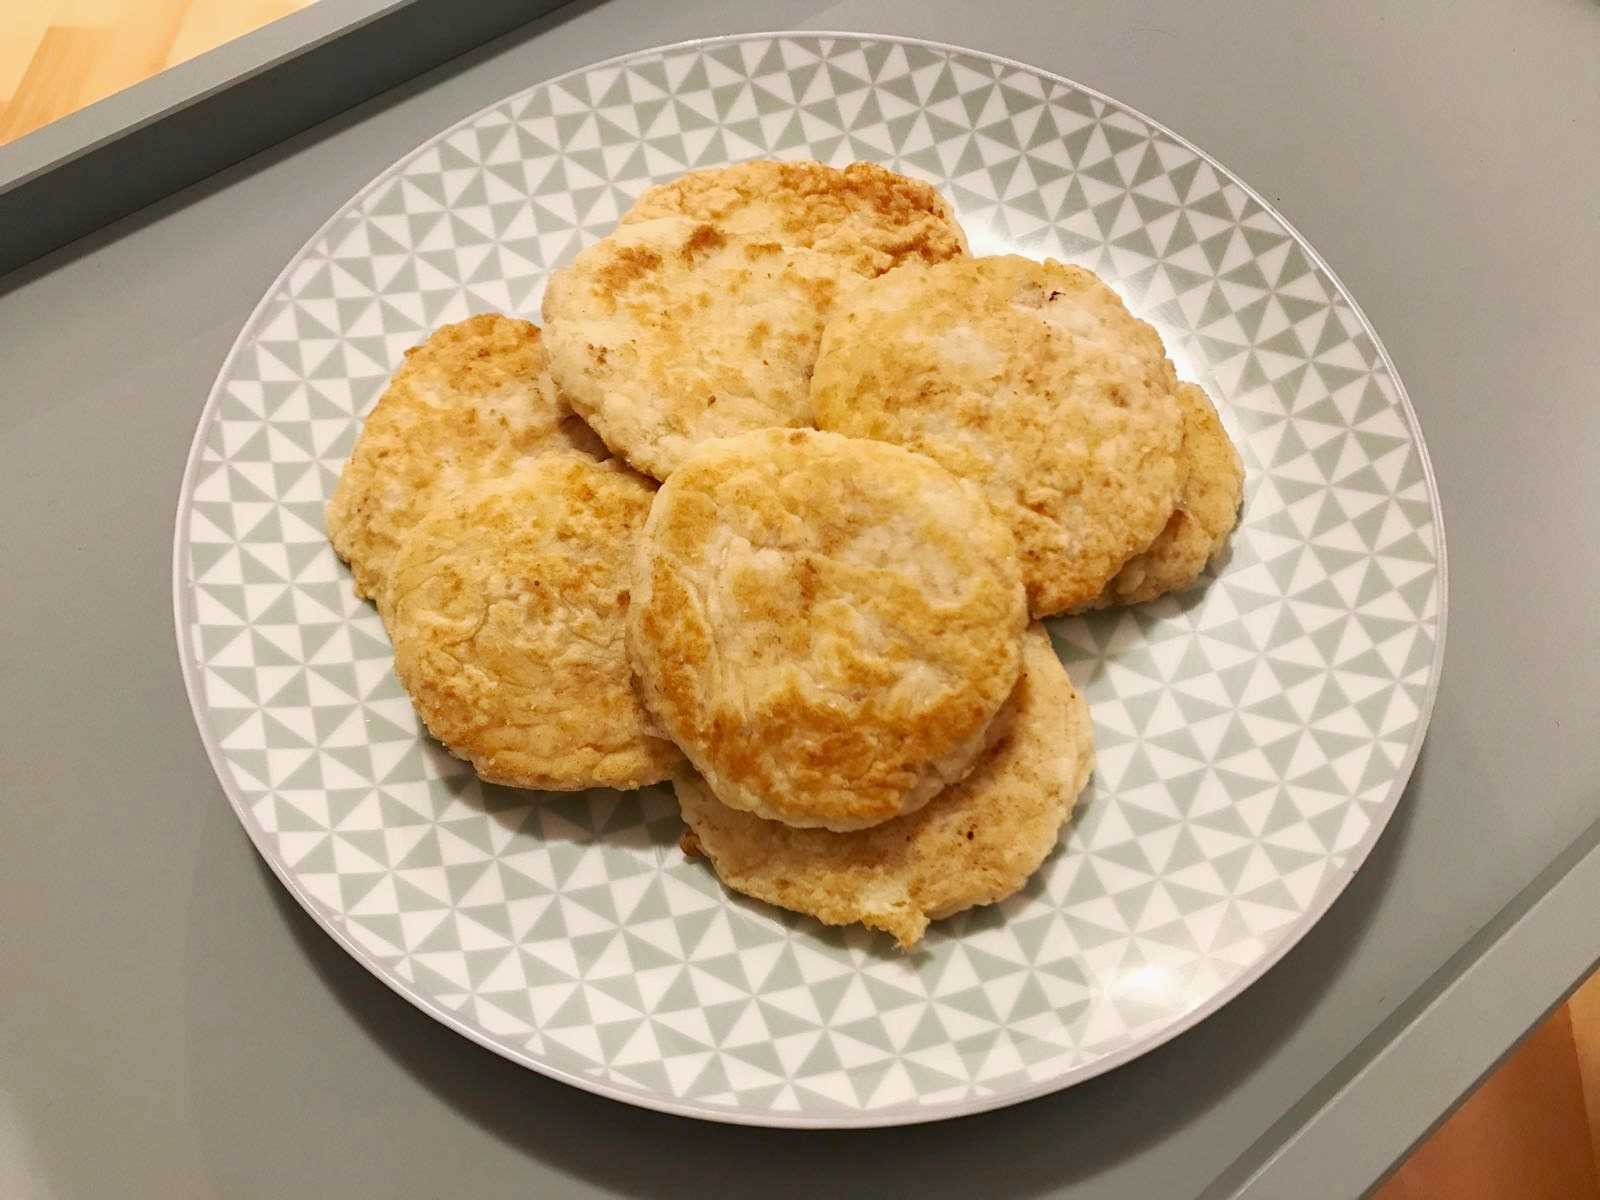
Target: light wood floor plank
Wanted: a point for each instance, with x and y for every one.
(1523, 1135)
(56, 56)
(1585, 1009)
(22, 27)
(209, 23)
(144, 31)
(57, 78)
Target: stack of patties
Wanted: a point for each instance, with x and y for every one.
(880, 458)
(477, 513)
(835, 632)
(1034, 382)
(700, 317)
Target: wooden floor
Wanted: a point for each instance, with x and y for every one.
(1531, 1132)
(57, 56)
(1532, 1129)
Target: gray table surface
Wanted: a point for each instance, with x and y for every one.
(171, 1024)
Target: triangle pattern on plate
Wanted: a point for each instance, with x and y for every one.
(1250, 732)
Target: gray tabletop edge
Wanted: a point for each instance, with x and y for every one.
(1354, 1129)
(74, 176)
(60, 142)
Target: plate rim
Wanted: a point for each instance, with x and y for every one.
(908, 1113)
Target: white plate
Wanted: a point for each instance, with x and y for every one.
(1254, 735)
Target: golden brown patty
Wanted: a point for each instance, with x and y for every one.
(827, 626)
(864, 215)
(467, 404)
(976, 843)
(508, 612)
(670, 332)
(1032, 380)
(1205, 516)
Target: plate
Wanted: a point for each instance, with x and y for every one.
(1254, 734)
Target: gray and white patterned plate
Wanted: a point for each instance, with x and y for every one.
(1254, 734)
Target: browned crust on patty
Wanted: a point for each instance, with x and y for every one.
(870, 217)
(468, 403)
(975, 843)
(508, 611)
(827, 626)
